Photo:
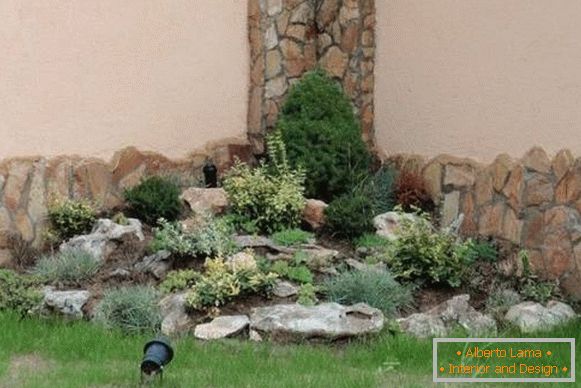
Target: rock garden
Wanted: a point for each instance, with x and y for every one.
(316, 241)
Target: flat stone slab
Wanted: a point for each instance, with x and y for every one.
(327, 320)
(221, 327)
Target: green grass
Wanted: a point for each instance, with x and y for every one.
(371, 240)
(36, 353)
(292, 237)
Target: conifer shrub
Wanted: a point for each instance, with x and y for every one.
(323, 135)
(154, 198)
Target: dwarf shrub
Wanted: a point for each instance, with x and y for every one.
(270, 196)
(154, 198)
(323, 136)
(349, 216)
(19, 293)
(68, 218)
(221, 283)
(210, 237)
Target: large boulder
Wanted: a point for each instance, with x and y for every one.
(202, 200)
(328, 320)
(104, 237)
(68, 303)
(222, 327)
(314, 213)
(175, 317)
(386, 224)
(531, 316)
(440, 320)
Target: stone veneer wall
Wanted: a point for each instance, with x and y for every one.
(27, 185)
(532, 203)
(290, 37)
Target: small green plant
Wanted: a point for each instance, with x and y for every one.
(376, 288)
(220, 284)
(423, 253)
(322, 135)
(133, 309)
(307, 295)
(349, 216)
(154, 198)
(70, 266)
(379, 188)
(371, 241)
(210, 237)
(292, 237)
(179, 280)
(69, 218)
(531, 287)
(19, 293)
(270, 196)
(500, 301)
(297, 272)
(120, 218)
(474, 250)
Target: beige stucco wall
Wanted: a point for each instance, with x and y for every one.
(478, 77)
(90, 77)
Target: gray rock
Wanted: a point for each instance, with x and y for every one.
(423, 325)
(328, 320)
(175, 318)
(386, 224)
(531, 316)
(103, 238)
(221, 327)
(157, 264)
(254, 336)
(69, 303)
(120, 273)
(440, 320)
(284, 289)
(359, 266)
(314, 251)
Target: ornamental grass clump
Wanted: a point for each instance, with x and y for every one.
(376, 288)
(323, 136)
(132, 309)
(270, 195)
(70, 266)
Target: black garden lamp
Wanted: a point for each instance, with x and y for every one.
(210, 174)
(156, 354)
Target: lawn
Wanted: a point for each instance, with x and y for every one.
(37, 353)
